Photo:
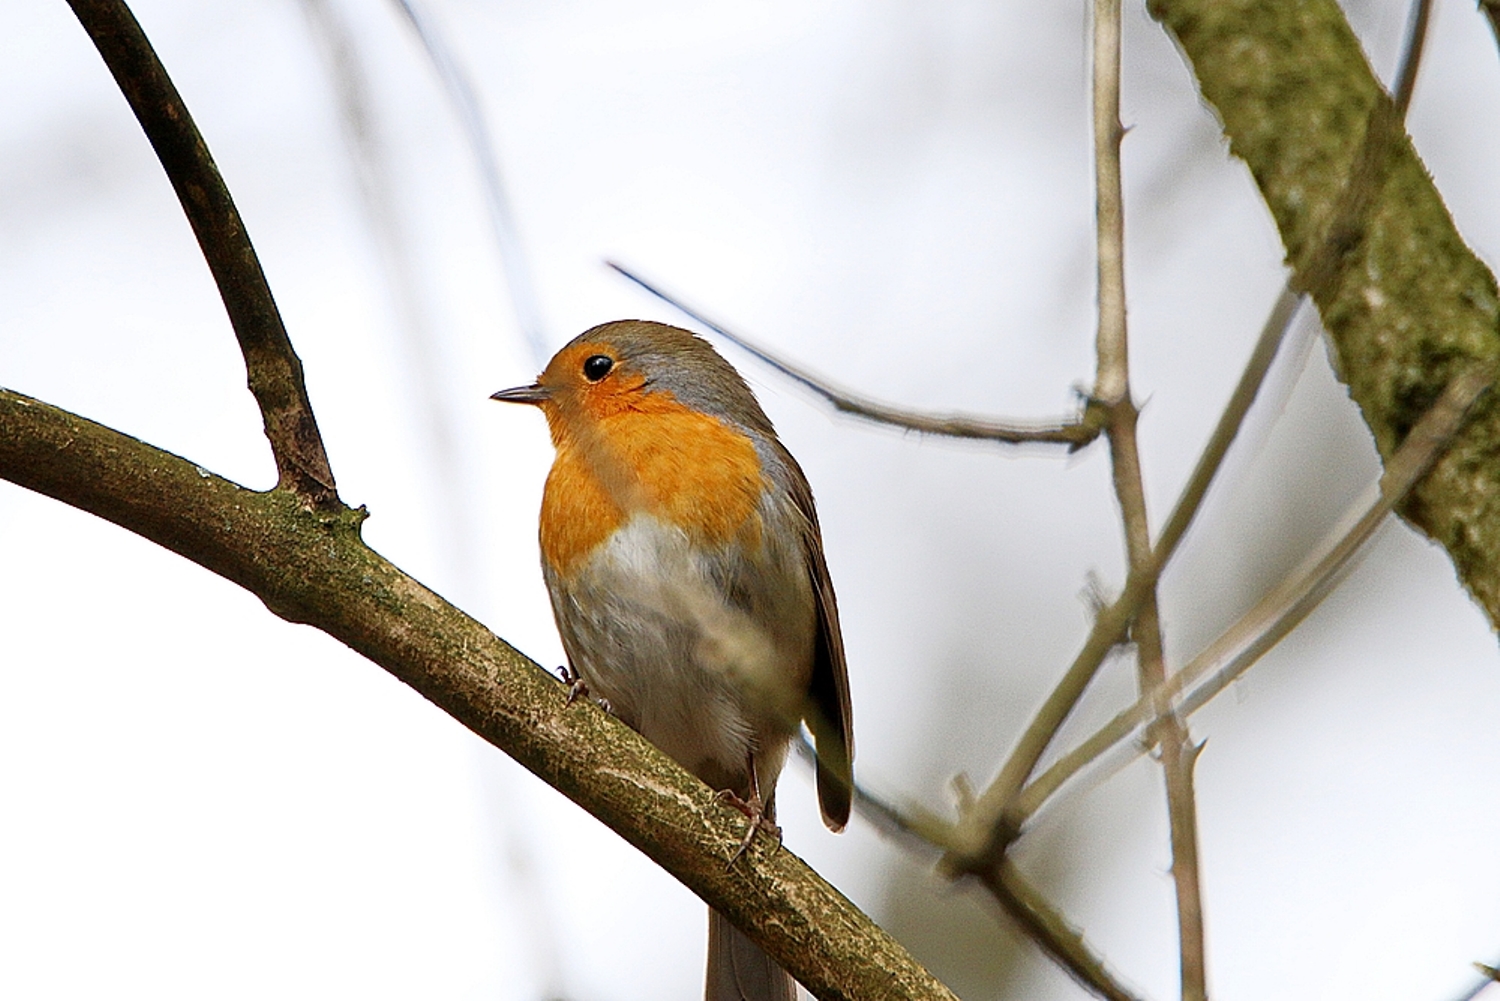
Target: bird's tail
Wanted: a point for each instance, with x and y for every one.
(738, 970)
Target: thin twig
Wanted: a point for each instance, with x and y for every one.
(1286, 605)
(1272, 333)
(1488, 977)
(1074, 433)
(274, 370)
(1051, 931)
(1491, 10)
(1048, 929)
(1411, 57)
(987, 825)
(993, 823)
(465, 100)
(1271, 337)
(1112, 390)
(1112, 384)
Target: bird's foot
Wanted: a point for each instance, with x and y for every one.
(577, 687)
(755, 810)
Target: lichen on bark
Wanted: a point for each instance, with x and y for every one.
(1406, 303)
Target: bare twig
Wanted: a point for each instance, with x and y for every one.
(1411, 56)
(466, 105)
(1488, 977)
(993, 823)
(275, 372)
(1286, 605)
(1074, 433)
(1113, 381)
(1112, 390)
(1051, 931)
(987, 825)
(1352, 201)
(923, 834)
(1272, 334)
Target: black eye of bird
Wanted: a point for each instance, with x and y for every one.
(597, 367)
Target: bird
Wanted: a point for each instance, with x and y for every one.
(683, 558)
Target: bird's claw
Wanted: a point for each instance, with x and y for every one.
(577, 687)
(755, 811)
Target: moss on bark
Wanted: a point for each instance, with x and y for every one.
(1407, 303)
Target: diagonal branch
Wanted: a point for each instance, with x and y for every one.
(275, 372)
(988, 826)
(993, 823)
(1031, 912)
(1074, 433)
(1282, 608)
(1406, 304)
(310, 566)
(464, 97)
(1062, 942)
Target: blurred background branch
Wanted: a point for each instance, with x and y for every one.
(1075, 432)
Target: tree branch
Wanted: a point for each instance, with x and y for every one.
(1491, 10)
(275, 372)
(1282, 608)
(1030, 911)
(1051, 931)
(310, 566)
(990, 825)
(1112, 390)
(1075, 433)
(1407, 304)
(998, 818)
(464, 98)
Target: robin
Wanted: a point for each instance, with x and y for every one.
(683, 558)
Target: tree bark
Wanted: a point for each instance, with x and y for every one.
(1407, 304)
(308, 564)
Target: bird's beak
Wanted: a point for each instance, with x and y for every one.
(533, 394)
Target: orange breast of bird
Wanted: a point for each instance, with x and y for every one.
(646, 452)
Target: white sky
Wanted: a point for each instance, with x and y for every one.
(198, 799)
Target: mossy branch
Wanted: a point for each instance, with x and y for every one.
(1407, 304)
(309, 565)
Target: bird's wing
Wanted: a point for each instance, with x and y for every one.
(830, 716)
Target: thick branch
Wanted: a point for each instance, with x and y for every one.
(1408, 305)
(311, 566)
(275, 372)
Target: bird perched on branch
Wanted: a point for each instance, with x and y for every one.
(685, 565)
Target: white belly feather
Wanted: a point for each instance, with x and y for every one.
(650, 625)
